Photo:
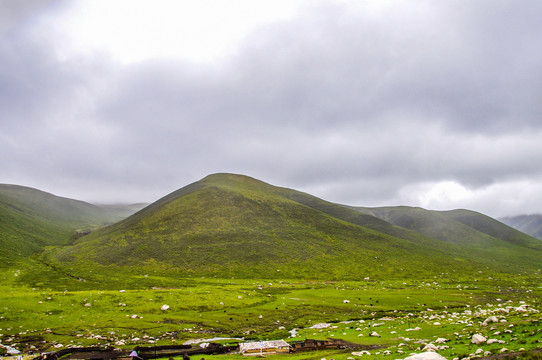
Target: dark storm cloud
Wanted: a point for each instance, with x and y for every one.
(352, 105)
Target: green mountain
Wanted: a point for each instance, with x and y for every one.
(234, 225)
(31, 220)
(529, 224)
(471, 230)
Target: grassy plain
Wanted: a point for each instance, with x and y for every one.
(42, 309)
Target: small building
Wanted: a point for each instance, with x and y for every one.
(259, 348)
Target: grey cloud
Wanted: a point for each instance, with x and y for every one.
(348, 105)
(17, 14)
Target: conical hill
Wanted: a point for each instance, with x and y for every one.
(234, 225)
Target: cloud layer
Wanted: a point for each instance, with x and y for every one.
(415, 102)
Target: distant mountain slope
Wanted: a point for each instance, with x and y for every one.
(467, 228)
(529, 224)
(31, 219)
(234, 225)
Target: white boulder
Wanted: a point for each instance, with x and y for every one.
(430, 347)
(478, 339)
(360, 353)
(164, 307)
(489, 320)
(428, 355)
(320, 326)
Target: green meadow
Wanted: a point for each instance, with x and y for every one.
(231, 259)
(41, 309)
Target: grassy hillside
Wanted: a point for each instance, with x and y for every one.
(31, 220)
(464, 227)
(476, 233)
(529, 224)
(233, 225)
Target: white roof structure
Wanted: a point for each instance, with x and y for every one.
(262, 345)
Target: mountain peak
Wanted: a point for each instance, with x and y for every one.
(234, 225)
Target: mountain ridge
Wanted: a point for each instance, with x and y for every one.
(31, 219)
(235, 225)
(529, 224)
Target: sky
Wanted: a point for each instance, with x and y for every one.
(436, 104)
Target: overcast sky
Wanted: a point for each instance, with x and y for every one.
(435, 104)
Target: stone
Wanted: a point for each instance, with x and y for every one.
(360, 353)
(428, 355)
(478, 339)
(430, 347)
(164, 307)
(489, 320)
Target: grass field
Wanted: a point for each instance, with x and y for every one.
(124, 310)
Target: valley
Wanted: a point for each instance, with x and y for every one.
(235, 259)
(405, 316)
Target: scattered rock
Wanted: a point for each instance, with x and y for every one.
(360, 353)
(320, 326)
(478, 339)
(428, 355)
(430, 347)
(164, 307)
(489, 320)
